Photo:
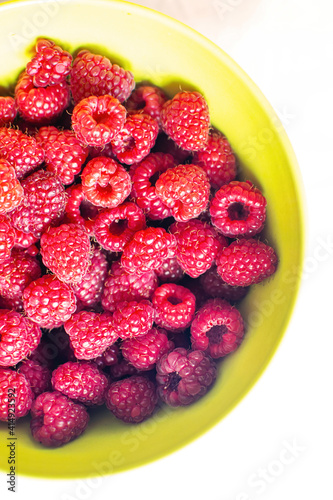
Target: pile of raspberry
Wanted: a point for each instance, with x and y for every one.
(127, 241)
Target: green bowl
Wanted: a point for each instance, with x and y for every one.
(157, 48)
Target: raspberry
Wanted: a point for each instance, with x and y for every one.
(94, 74)
(217, 328)
(109, 357)
(214, 286)
(184, 377)
(43, 203)
(217, 160)
(37, 375)
(7, 110)
(82, 382)
(7, 238)
(79, 210)
(15, 395)
(185, 190)
(174, 306)
(24, 240)
(66, 252)
(132, 400)
(147, 99)
(90, 333)
(133, 318)
(143, 352)
(18, 337)
(56, 419)
(136, 139)
(98, 120)
(166, 145)
(238, 209)
(170, 271)
(64, 155)
(20, 150)
(50, 64)
(121, 286)
(114, 228)
(105, 182)
(11, 191)
(185, 118)
(147, 250)
(245, 262)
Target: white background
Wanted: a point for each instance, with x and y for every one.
(277, 443)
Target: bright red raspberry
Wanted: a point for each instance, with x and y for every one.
(115, 227)
(170, 271)
(56, 419)
(147, 99)
(94, 74)
(185, 190)
(136, 139)
(18, 337)
(133, 399)
(24, 240)
(238, 209)
(7, 238)
(133, 318)
(64, 155)
(246, 261)
(37, 375)
(15, 395)
(214, 286)
(11, 191)
(185, 118)
(79, 210)
(20, 150)
(7, 110)
(98, 120)
(109, 357)
(143, 352)
(184, 376)
(174, 306)
(88, 292)
(50, 64)
(65, 251)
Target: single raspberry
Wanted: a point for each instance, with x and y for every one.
(166, 145)
(133, 318)
(143, 352)
(105, 182)
(7, 238)
(246, 261)
(122, 369)
(214, 287)
(15, 395)
(82, 382)
(147, 250)
(115, 227)
(185, 118)
(144, 178)
(79, 210)
(132, 400)
(109, 357)
(120, 286)
(238, 209)
(65, 251)
(20, 150)
(90, 333)
(43, 203)
(135, 140)
(217, 160)
(174, 306)
(98, 120)
(24, 240)
(185, 190)
(37, 375)
(11, 191)
(94, 74)
(64, 155)
(18, 337)
(7, 110)
(217, 328)
(50, 64)
(170, 271)
(56, 419)
(184, 376)
(147, 99)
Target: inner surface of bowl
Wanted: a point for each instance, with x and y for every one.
(162, 50)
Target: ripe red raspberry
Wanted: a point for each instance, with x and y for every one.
(214, 286)
(65, 251)
(82, 382)
(50, 64)
(185, 190)
(109, 357)
(64, 155)
(184, 377)
(147, 99)
(88, 292)
(143, 352)
(114, 228)
(90, 333)
(217, 160)
(18, 337)
(20, 150)
(7, 238)
(94, 74)
(246, 261)
(132, 400)
(133, 318)
(105, 182)
(174, 306)
(79, 210)
(170, 271)
(37, 375)
(147, 250)
(24, 240)
(238, 209)
(11, 191)
(15, 395)
(185, 118)
(56, 419)
(98, 120)
(43, 203)
(135, 140)
(7, 110)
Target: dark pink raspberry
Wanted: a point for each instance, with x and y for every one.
(109, 357)
(7, 238)
(50, 64)
(184, 376)
(56, 419)
(174, 306)
(37, 375)
(79, 210)
(170, 271)
(8, 110)
(122, 369)
(11, 191)
(133, 399)
(133, 318)
(214, 287)
(24, 240)
(147, 99)
(15, 395)
(143, 352)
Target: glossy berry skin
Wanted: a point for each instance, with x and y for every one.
(20, 150)
(174, 306)
(50, 64)
(24, 240)
(79, 210)
(133, 318)
(8, 110)
(11, 191)
(89, 290)
(109, 357)
(170, 271)
(15, 395)
(144, 351)
(7, 238)
(214, 287)
(37, 375)
(147, 99)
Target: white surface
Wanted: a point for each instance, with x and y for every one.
(277, 443)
